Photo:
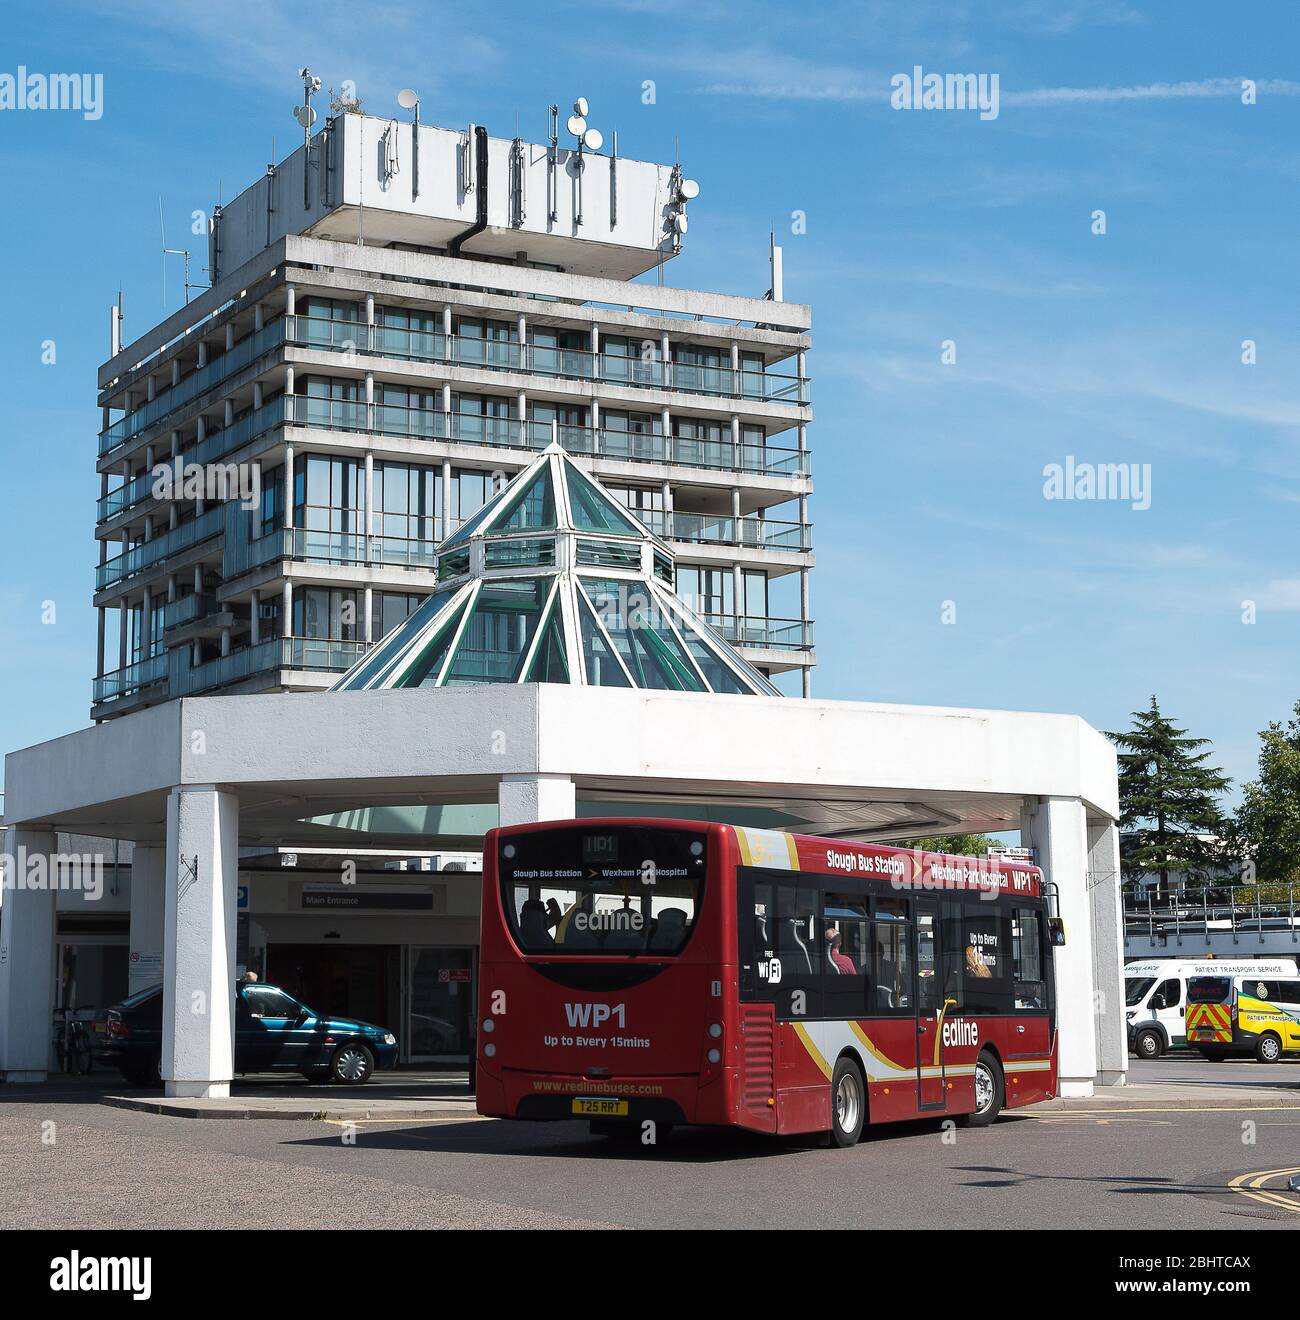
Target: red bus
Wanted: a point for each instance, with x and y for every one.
(681, 972)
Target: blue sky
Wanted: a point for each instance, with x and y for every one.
(921, 226)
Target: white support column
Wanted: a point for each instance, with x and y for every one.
(446, 499)
(199, 941)
(27, 960)
(665, 351)
(530, 797)
(288, 486)
(1057, 829)
(1107, 950)
(148, 917)
(367, 623)
(369, 515)
(286, 609)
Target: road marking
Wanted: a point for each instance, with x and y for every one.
(1250, 1184)
(1106, 1122)
(409, 1122)
(1179, 1109)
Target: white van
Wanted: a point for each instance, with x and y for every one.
(1155, 995)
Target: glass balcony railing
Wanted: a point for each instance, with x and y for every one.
(146, 553)
(197, 605)
(215, 446)
(770, 634)
(706, 529)
(247, 350)
(749, 383)
(317, 653)
(510, 433)
(122, 682)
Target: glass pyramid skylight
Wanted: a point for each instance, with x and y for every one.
(554, 581)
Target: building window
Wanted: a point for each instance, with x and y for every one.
(388, 609)
(329, 493)
(327, 613)
(407, 501)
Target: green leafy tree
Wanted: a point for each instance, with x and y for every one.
(1169, 801)
(962, 845)
(1268, 820)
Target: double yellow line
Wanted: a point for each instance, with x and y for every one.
(1252, 1185)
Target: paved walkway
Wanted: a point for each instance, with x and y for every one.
(443, 1100)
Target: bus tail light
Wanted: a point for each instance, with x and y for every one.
(715, 1029)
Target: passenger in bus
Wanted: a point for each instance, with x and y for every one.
(669, 929)
(534, 926)
(840, 961)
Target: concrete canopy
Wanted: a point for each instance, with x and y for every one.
(210, 775)
(851, 769)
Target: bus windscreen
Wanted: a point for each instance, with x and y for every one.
(614, 891)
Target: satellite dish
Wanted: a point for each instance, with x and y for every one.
(681, 223)
(407, 99)
(305, 115)
(593, 139)
(690, 189)
(577, 125)
(580, 106)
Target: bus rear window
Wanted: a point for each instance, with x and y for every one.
(602, 892)
(1209, 990)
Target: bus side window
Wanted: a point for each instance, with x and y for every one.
(1027, 959)
(848, 958)
(983, 956)
(889, 986)
(798, 946)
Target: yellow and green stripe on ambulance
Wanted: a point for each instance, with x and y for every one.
(1229, 1015)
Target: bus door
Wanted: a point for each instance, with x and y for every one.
(930, 1006)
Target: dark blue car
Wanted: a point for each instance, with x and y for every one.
(273, 1033)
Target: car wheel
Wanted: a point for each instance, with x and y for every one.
(352, 1063)
(989, 1092)
(1268, 1048)
(1148, 1045)
(848, 1103)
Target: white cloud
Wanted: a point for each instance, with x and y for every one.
(1161, 91)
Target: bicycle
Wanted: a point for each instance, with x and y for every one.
(72, 1045)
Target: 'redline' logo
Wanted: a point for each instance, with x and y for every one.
(957, 1031)
(77, 1273)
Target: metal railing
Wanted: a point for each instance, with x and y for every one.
(214, 446)
(317, 653)
(188, 388)
(750, 383)
(706, 529)
(771, 634)
(140, 557)
(134, 677)
(512, 433)
(1210, 909)
(197, 605)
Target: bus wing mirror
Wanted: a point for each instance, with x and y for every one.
(1056, 927)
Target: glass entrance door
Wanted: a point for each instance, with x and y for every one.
(439, 1000)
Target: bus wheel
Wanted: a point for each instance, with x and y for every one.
(1213, 1056)
(1268, 1048)
(848, 1103)
(988, 1092)
(1148, 1045)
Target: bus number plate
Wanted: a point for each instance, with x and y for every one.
(600, 1108)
